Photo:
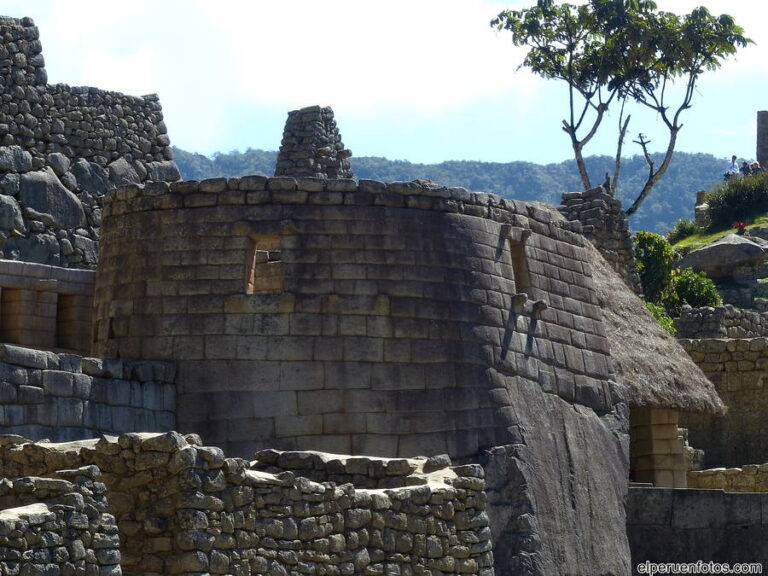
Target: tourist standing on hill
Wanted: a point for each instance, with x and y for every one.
(733, 168)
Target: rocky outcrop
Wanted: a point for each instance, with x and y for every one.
(719, 259)
(556, 497)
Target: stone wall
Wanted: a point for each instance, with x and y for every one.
(748, 478)
(80, 122)
(721, 322)
(183, 508)
(69, 397)
(312, 146)
(657, 454)
(738, 370)
(761, 152)
(46, 306)
(606, 225)
(390, 319)
(57, 525)
(666, 525)
(62, 148)
(356, 318)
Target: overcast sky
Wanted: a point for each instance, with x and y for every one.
(419, 80)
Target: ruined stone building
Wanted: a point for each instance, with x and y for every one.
(310, 374)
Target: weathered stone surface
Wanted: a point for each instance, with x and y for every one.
(312, 146)
(43, 192)
(721, 257)
(14, 159)
(10, 214)
(38, 248)
(59, 163)
(211, 515)
(91, 177)
(666, 525)
(122, 173)
(163, 171)
(560, 486)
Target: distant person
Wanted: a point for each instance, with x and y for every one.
(755, 167)
(745, 170)
(733, 168)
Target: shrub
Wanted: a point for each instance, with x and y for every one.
(655, 258)
(738, 199)
(662, 317)
(682, 229)
(689, 287)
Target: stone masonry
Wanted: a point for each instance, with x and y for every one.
(57, 524)
(312, 146)
(738, 368)
(304, 312)
(721, 322)
(400, 309)
(69, 397)
(183, 508)
(62, 148)
(389, 319)
(605, 224)
(45, 306)
(666, 525)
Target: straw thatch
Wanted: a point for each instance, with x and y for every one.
(654, 370)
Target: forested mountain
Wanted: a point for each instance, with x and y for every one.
(672, 198)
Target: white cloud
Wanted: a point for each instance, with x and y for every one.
(228, 71)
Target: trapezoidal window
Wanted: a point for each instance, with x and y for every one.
(520, 266)
(264, 265)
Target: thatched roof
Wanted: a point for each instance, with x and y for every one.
(650, 365)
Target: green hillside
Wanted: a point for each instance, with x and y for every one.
(673, 198)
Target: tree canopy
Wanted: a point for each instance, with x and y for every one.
(615, 52)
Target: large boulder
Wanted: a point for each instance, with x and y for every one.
(165, 171)
(10, 214)
(719, 259)
(39, 248)
(14, 159)
(91, 177)
(43, 193)
(122, 173)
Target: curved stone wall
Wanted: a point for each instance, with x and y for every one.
(389, 319)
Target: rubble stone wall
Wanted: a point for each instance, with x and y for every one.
(721, 322)
(375, 318)
(80, 122)
(70, 397)
(312, 146)
(606, 225)
(183, 508)
(57, 525)
(738, 369)
(63, 148)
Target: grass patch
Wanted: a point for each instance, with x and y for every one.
(700, 239)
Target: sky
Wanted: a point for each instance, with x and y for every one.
(418, 80)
